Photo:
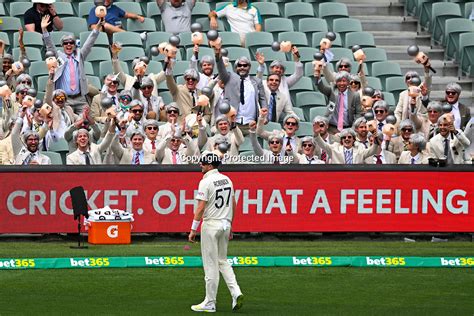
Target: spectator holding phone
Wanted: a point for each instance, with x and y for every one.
(41, 8)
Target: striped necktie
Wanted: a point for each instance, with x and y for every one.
(137, 158)
(348, 156)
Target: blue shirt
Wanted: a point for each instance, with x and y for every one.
(113, 17)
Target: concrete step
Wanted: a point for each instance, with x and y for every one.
(400, 52)
(400, 38)
(439, 84)
(442, 68)
(388, 23)
(375, 9)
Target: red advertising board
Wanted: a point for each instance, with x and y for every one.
(267, 201)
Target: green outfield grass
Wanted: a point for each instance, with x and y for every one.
(269, 291)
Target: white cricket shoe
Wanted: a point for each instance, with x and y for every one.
(237, 302)
(205, 307)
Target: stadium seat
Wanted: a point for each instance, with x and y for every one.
(231, 39)
(84, 8)
(64, 9)
(289, 67)
(101, 41)
(271, 55)
(340, 52)
(18, 9)
(467, 9)
(132, 7)
(308, 99)
(155, 38)
(94, 81)
(304, 129)
(56, 37)
(466, 54)
(363, 39)
(455, 27)
(411, 7)
(373, 54)
(315, 4)
(317, 36)
(304, 84)
(384, 69)
(309, 69)
(276, 25)
(395, 85)
(147, 26)
(4, 37)
(3, 12)
(128, 38)
(30, 39)
(236, 52)
(180, 67)
(281, 4)
(374, 82)
(55, 157)
(297, 10)
(105, 68)
(33, 53)
(200, 10)
(267, 9)
(346, 25)
(10, 25)
(127, 54)
(60, 147)
(74, 25)
(255, 40)
(272, 126)
(96, 55)
(307, 53)
(331, 11)
(296, 38)
(246, 146)
(38, 68)
(316, 111)
(205, 24)
(166, 96)
(424, 9)
(202, 51)
(154, 67)
(299, 112)
(311, 25)
(42, 82)
(390, 99)
(153, 12)
(440, 13)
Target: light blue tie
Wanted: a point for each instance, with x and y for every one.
(348, 156)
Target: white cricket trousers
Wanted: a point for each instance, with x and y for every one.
(214, 241)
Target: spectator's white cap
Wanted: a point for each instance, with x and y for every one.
(43, 1)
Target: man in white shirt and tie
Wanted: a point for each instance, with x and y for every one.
(290, 126)
(278, 103)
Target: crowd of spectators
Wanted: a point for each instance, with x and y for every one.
(221, 112)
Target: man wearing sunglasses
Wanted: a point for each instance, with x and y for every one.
(172, 119)
(175, 148)
(151, 133)
(62, 114)
(70, 74)
(344, 64)
(380, 109)
(26, 148)
(308, 157)
(406, 128)
(428, 124)
(244, 92)
(382, 156)
(344, 105)
(279, 68)
(407, 103)
(278, 103)
(345, 152)
(233, 137)
(135, 116)
(321, 124)
(186, 95)
(41, 8)
(97, 110)
(462, 114)
(278, 154)
(290, 126)
(153, 105)
(451, 143)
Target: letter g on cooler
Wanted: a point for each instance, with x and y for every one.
(112, 231)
